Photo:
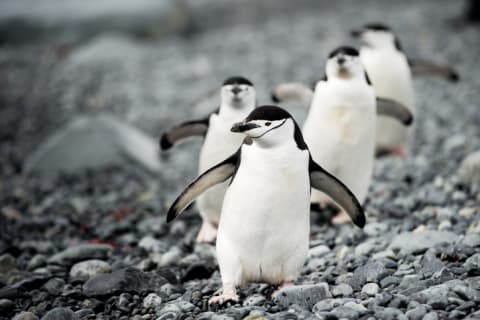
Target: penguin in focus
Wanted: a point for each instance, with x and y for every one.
(391, 72)
(238, 99)
(340, 126)
(263, 235)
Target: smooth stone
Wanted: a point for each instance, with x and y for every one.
(54, 286)
(431, 316)
(409, 242)
(371, 289)
(472, 240)
(89, 268)
(329, 304)
(150, 244)
(81, 252)
(374, 229)
(318, 251)
(342, 290)
(472, 264)
(389, 314)
(7, 264)
(37, 261)
(90, 142)
(254, 300)
(152, 301)
(344, 312)
(417, 313)
(303, 295)
(357, 307)
(123, 280)
(435, 296)
(370, 272)
(469, 170)
(6, 305)
(390, 281)
(60, 314)
(25, 315)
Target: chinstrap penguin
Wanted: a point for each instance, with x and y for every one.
(263, 235)
(238, 99)
(340, 126)
(391, 72)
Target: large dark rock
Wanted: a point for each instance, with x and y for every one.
(371, 272)
(81, 252)
(416, 242)
(60, 314)
(94, 142)
(124, 280)
(303, 295)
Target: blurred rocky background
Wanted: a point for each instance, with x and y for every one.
(87, 87)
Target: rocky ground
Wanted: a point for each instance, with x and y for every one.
(93, 244)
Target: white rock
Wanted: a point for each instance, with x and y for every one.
(318, 251)
(92, 142)
(152, 301)
(89, 268)
(151, 244)
(371, 289)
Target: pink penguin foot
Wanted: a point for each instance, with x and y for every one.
(286, 283)
(341, 218)
(207, 233)
(400, 152)
(229, 293)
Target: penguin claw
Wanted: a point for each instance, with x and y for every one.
(229, 294)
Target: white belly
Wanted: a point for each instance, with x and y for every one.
(264, 231)
(340, 132)
(391, 78)
(219, 144)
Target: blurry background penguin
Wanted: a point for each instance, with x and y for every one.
(238, 99)
(264, 231)
(340, 127)
(391, 72)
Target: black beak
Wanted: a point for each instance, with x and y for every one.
(356, 33)
(236, 90)
(243, 126)
(341, 60)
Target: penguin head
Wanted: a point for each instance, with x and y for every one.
(270, 126)
(238, 92)
(377, 35)
(344, 62)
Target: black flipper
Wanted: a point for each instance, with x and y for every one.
(335, 189)
(209, 178)
(429, 68)
(394, 109)
(182, 131)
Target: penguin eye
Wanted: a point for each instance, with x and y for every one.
(268, 124)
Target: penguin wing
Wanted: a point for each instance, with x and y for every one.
(209, 178)
(292, 91)
(429, 68)
(394, 109)
(334, 188)
(182, 131)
